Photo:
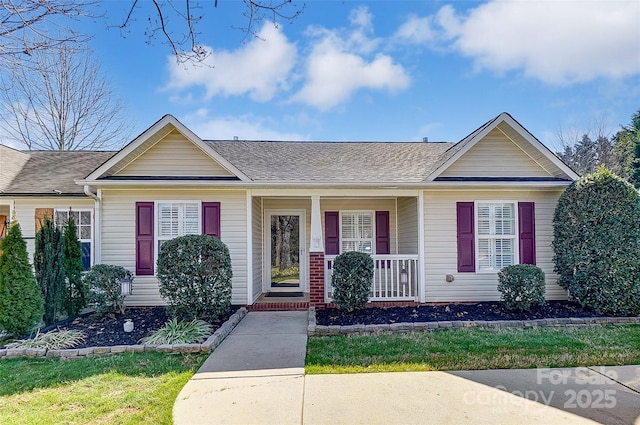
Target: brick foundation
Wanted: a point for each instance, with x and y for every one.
(316, 279)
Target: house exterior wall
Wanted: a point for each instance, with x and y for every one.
(169, 157)
(118, 234)
(407, 226)
(26, 207)
(441, 244)
(495, 156)
(257, 234)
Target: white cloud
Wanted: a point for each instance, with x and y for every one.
(339, 64)
(260, 68)
(417, 30)
(558, 42)
(245, 127)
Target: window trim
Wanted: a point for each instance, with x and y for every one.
(156, 224)
(477, 236)
(373, 228)
(92, 228)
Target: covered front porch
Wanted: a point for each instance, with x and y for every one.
(317, 228)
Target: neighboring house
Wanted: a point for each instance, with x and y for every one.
(440, 219)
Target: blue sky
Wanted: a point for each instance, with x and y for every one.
(387, 70)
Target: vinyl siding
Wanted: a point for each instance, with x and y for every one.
(407, 225)
(441, 249)
(256, 223)
(118, 237)
(26, 208)
(168, 158)
(495, 156)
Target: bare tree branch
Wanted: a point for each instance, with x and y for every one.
(62, 102)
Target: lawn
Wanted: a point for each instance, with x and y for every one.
(128, 388)
(469, 349)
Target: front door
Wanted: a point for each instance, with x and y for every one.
(285, 246)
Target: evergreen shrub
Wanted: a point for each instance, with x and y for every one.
(351, 279)
(75, 297)
(48, 262)
(104, 284)
(521, 286)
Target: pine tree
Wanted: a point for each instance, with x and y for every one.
(21, 303)
(75, 293)
(49, 265)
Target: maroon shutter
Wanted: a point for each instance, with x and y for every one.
(466, 245)
(144, 238)
(383, 239)
(211, 219)
(527, 232)
(331, 233)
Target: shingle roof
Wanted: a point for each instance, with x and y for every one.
(47, 171)
(332, 162)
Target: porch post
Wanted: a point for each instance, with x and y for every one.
(316, 255)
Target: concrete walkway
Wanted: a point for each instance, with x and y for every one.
(256, 376)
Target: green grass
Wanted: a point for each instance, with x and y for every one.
(128, 388)
(470, 349)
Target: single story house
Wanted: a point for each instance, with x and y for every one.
(439, 219)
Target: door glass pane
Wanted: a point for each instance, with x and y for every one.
(285, 251)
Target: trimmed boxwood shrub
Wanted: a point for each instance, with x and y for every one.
(521, 286)
(596, 228)
(195, 274)
(105, 289)
(351, 280)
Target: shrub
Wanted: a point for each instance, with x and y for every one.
(596, 244)
(55, 340)
(48, 262)
(103, 282)
(180, 332)
(75, 297)
(21, 302)
(195, 273)
(521, 286)
(351, 280)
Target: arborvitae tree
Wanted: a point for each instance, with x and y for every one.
(75, 292)
(21, 303)
(48, 261)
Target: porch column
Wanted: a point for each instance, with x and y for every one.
(316, 255)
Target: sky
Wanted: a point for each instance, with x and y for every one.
(384, 70)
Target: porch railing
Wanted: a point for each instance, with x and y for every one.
(395, 278)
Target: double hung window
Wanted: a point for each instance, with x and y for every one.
(495, 235)
(83, 221)
(357, 231)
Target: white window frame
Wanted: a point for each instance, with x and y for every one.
(477, 236)
(156, 224)
(78, 225)
(373, 229)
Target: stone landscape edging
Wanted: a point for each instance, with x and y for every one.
(209, 345)
(315, 329)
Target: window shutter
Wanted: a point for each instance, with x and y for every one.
(40, 214)
(144, 238)
(527, 232)
(466, 246)
(331, 233)
(211, 219)
(383, 239)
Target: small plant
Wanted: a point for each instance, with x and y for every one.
(180, 332)
(521, 286)
(103, 281)
(351, 280)
(195, 277)
(54, 340)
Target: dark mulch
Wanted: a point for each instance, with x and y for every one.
(108, 330)
(448, 312)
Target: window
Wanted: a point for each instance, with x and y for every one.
(177, 219)
(496, 242)
(83, 221)
(357, 231)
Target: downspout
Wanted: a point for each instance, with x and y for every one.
(97, 224)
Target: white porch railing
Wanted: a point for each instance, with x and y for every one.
(395, 278)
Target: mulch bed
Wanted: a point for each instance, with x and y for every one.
(450, 312)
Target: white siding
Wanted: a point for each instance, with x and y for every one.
(174, 155)
(407, 225)
(495, 156)
(441, 244)
(258, 258)
(26, 210)
(118, 237)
